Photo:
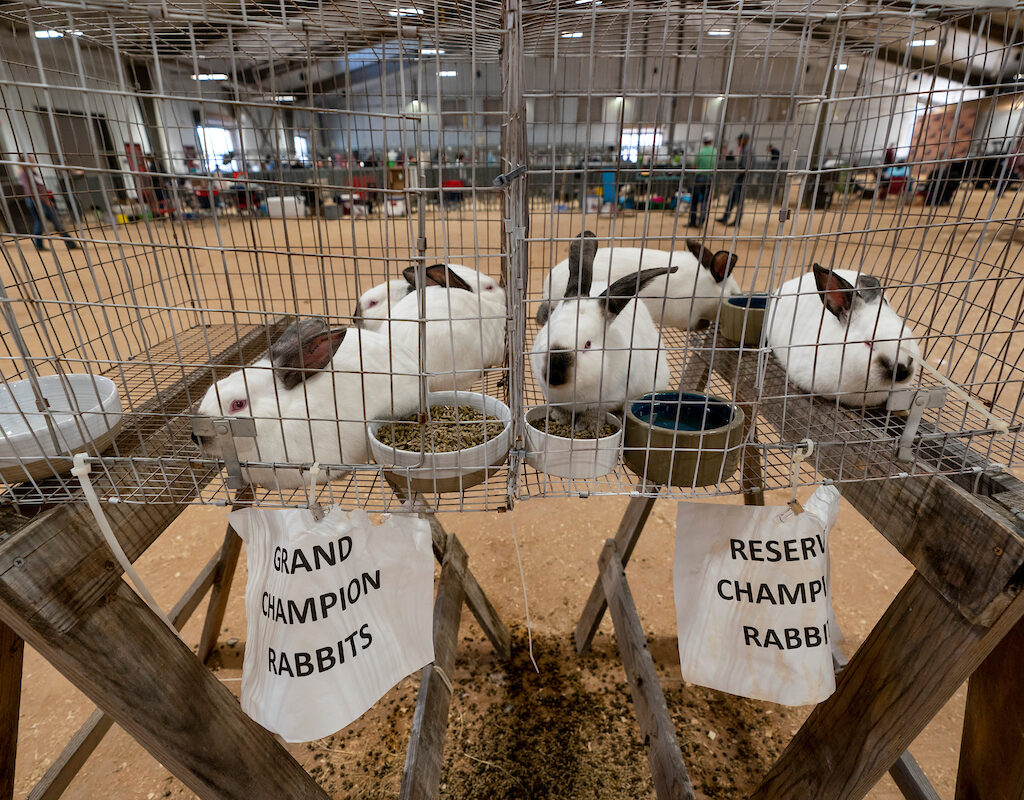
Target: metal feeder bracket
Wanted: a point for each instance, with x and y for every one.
(224, 431)
(914, 402)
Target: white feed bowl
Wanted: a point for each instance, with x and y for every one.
(83, 409)
(459, 469)
(571, 458)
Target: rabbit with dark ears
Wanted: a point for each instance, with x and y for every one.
(312, 397)
(594, 353)
(836, 335)
(684, 298)
(376, 304)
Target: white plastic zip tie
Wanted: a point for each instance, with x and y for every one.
(81, 471)
(799, 455)
(1000, 426)
(526, 601)
(444, 677)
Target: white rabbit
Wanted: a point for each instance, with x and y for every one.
(305, 413)
(836, 335)
(465, 329)
(681, 299)
(375, 304)
(594, 353)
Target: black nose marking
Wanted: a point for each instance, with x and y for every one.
(903, 372)
(559, 366)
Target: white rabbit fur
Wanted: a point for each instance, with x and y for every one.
(607, 357)
(376, 304)
(465, 330)
(679, 300)
(369, 380)
(858, 357)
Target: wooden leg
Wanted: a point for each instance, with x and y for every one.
(911, 780)
(663, 754)
(124, 658)
(12, 656)
(633, 521)
(753, 473)
(77, 751)
(992, 749)
(422, 777)
(229, 553)
(910, 665)
(479, 604)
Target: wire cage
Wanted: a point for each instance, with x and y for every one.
(222, 172)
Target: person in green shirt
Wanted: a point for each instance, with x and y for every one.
(704, 165)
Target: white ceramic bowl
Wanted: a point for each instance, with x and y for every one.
(571, 458)
(447, 472)
(84, 409)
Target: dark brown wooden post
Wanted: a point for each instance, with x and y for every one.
(632, 524)
(422, 777)
(671, 781)
(992, 749)
(12, 656)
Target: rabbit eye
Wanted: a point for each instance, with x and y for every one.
(587, 345)
(372, 303)
(238, 405)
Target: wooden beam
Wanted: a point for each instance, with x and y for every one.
(87, 738)
(12, 657)
(422, 777)
(671, 781)
(910, 779)
(910, 665)
(479, 604)
(992, 748)
(633, 521)
(127, 662)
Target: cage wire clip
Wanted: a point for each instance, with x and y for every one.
(224, 431)
(505, 178)
(801, 453)
(914, 402)
(315, 508)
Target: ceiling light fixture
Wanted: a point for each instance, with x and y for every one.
(407, 11)
(573, 35)
(210, 76)
(924, 42)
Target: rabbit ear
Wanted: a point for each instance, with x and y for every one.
(618, 295)
(700, 252)
(409, 273)
(836, 292)
(722, 263)
(442, 275)
(304, 348)
(581, 265)
(869, 288)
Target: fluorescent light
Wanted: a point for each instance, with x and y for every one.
(1018, 76)
(76, 33)
(573, 35)
(284, 98)
(447, 73)
(719, 32)
(49, 34)
(924, 42)
(588, 2)
(432, 51)
(210, 76)
(841, 67)
(407, 11)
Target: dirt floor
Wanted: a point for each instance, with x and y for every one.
(567, 731)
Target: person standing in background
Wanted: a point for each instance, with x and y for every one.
(742, 168)
(704, 166)
(39, 198)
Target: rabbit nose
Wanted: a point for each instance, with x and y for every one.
(559, 366)
(903, 372)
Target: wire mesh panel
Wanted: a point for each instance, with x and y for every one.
(196, 188)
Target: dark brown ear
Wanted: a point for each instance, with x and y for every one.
(305, 348)
(581, 265)
(721, 265)
(869, 288)
(700, 252)
(836, 292)
(409, 273)
(442, 275)
(618, 295)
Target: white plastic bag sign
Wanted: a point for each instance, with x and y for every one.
(753, 604)
(338, 612)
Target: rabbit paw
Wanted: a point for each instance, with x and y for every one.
(589, 419)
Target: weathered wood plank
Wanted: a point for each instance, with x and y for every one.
(911, 780)
(630, 527)
(422, 777)
(127, 662)
(972, 558)
(12, 657)
(87, 738)
(225, 574)
(479, 604)
(910, 665)
(663, 754)
(992, 748)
